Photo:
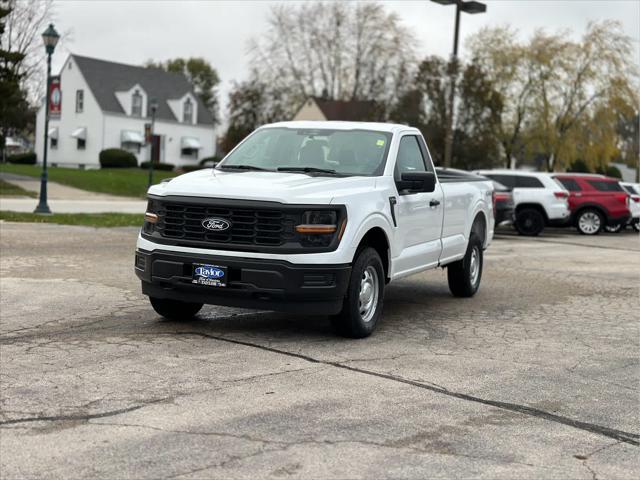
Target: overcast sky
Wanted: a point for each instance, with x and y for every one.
(133, 31)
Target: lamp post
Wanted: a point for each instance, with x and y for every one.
(467, 7)
(50, 38)
(153, 106)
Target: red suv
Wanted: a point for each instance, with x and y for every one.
(595, 201)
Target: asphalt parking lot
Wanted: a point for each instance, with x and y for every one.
(535, 377)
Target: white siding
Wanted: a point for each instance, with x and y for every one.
(104, 129)
(91, 118)
(171, 133)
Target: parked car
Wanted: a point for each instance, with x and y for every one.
(633, 189)
(314, 218)
(503, 205)
(595, 201)
(539, 201)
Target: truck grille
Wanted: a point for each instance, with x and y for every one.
(255, 226)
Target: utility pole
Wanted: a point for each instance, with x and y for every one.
(467, 7)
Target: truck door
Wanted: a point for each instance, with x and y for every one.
(419, 214)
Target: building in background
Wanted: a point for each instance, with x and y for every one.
(318, 108)
(96, 104)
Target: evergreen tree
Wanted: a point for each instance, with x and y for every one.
(13, 104)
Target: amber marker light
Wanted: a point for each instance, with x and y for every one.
(151, 217)
(316, 229)
(343, 227)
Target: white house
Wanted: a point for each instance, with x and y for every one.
(106, 105)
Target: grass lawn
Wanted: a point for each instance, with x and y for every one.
(127, 182)
(85, 219)
(9, 190)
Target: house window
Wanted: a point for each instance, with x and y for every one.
(187, 112)
(136, 104)
(133, 147)
(79, 101)
(82, 144)
(53, 143)
(191, 153)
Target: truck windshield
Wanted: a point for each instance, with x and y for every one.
(312, 151)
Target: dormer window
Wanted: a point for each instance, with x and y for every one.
(187, 111)
(136, 104)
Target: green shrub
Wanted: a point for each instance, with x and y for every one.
(167, 167)
(613, 171)
(117, 158)
(214, 158)
(579, 166)
(23, 158)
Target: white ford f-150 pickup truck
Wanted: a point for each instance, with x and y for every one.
(314, 218)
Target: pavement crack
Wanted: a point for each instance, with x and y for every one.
(620, 435)
(87, 417)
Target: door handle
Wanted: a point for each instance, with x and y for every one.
(434, 202)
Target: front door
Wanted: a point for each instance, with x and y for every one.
(155, 148)
(419, 214)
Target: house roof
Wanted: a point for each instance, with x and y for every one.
(106, 78)
(347, 110)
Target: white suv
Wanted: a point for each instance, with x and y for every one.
(539, 200)
(634, 203)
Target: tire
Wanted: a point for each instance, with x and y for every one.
(529, 222)
(614, 228)
(362, 305)
(174, 309)
(589, 222)
(464, 275)
(636, 227)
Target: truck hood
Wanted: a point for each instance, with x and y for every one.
(281, 187)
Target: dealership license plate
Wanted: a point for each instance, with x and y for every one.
(210, 275)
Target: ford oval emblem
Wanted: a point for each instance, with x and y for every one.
(216, 224)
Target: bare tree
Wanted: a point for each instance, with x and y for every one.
(340, 50)
(24, 26)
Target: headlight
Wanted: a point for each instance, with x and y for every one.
(319, 227)
(150, 216)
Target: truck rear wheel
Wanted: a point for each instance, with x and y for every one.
(174, 309)
(363, 303)
(464, 275)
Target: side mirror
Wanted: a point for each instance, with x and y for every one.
(415, 182)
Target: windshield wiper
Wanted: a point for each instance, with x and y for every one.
(242, 167)
(306, 170)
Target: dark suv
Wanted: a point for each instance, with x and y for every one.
(595, 201)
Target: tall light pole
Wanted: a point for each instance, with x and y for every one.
(153, 106)
(467, 7)
(50, 38)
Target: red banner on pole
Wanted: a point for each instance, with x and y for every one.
(55, 98)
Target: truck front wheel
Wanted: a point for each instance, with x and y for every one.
(464, 275)
(174, 309)
(363, 303)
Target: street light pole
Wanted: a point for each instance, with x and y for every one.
(154, 107)
(467, 7)
(50, 38)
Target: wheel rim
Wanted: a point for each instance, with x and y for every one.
(368, 297)
(589, 222)
(474, 265)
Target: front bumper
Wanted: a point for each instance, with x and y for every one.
(252, 283)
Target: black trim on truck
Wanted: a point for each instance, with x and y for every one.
(252, 283)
